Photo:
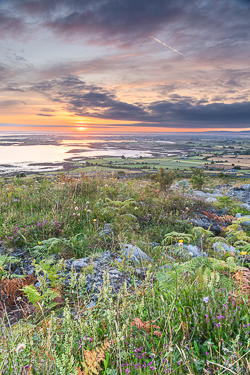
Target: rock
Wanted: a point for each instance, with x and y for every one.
(154, 244)
(80, 263)
(221, 246)
(134, 253)
(244, 221)
(107, 230)
(245, 205)
(193, 250)
(183, 184)
(199, 193)
(238, 215)
(91, 304)
(210, 200)
(207, 223)
(245, 187)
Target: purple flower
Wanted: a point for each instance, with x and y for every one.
(207, 353)
(206, 299)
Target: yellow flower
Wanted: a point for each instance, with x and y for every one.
(180, 240)
(38, 242)
(243, 253)
(94, 219)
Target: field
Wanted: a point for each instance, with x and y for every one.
(143, 164)
(184, 316)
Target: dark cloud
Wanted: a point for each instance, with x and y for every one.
(127, 18)
(47, 110)
(179, 111)
(44, 114)
(11, 103)
(10, 24)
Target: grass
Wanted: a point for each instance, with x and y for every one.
(193, 319)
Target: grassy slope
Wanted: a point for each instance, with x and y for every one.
(196, 335)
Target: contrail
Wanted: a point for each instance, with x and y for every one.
(175, 50)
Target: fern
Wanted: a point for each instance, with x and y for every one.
(49, 270)
(206, 269)
(242, 246)
(44, 299)
(199, 232)
(54, 245)
(174, 237)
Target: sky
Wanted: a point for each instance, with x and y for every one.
(125, 65)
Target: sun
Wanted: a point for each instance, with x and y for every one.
(81, 128)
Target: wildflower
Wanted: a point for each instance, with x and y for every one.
(78, 214)
(20, 347)
(207, 353)
(87, 202)
(76, 208)
(39, 243)
(243, 253)
(206, 299)
(94, 219)
(181, 241)
(191, 254)
(88, 210)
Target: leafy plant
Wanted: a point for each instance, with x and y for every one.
(174, 237)
(50, 270)
(197, 178)
(164, 178)
(4, 261)
(52, 245)
(41, 299)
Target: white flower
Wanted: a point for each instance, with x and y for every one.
(106, 185)
(78, 214)
(73, 214)
(136, 208)
(76, 208)
(87, 202)
(20, 347)
(191, 253)
(88, 210)
(74, 202)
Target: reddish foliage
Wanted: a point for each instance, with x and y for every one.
(146, 326)
(10, 289)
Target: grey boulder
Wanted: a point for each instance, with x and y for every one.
(193, 251)
(107, 230)
(221, 246)
(245, 205)
(183, 184)
(134, 253)
(79, 263)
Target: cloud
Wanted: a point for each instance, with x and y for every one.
(10, 24)
(11, 103)
(44, 114)
(126, 19)
(178, 111)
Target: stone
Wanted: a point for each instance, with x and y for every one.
(245, 205)
(199, 193)
(245, 187)
(238, 215)
(134, 253)
(245, 221)
(80, 263)
(183, 184)
(91, 304)
(221, 246)
(107, 230)
(193, 250)
(210, 200)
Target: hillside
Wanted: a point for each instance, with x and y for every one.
(109, 276)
